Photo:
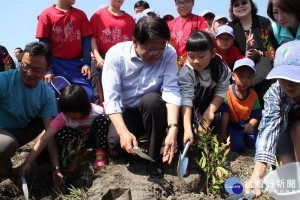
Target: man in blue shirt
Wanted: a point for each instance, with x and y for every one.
(27, 105)
(141, 92)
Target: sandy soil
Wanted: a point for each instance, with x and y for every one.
(125, 177)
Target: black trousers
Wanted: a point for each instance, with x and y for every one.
(150, 117)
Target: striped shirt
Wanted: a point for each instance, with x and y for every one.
(273, 123)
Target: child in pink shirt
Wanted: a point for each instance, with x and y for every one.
(78, 116)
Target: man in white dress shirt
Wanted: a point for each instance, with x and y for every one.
(141, 92)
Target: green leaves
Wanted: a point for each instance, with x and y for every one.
(179, 61)
(216, 187)
(226, 153)
(75, 194)
(222, 170)
(205, 149)
(213, 155)
(74, 153)
(268, 48)
(203, 162)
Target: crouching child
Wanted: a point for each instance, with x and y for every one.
(240, 111)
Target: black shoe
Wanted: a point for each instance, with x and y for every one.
(155, 170)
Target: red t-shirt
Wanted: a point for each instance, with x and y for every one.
(181, 30)
(65, 30)
(234, 54)
(110, 30)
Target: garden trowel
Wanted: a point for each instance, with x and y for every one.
(142, 154)
(25, 189)
(183, 161)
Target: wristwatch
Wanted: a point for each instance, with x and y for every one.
(172, 125)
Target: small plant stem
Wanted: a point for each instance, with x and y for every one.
(207, 189)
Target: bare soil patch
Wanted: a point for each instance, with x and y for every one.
(124, 177)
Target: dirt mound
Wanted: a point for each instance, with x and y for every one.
(125, 177)
(131, 174)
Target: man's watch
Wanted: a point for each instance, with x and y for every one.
(56, 168)
(172, 125)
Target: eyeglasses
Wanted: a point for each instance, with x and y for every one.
(243, 3)
(35, 70)
(154, 52)
(182, 3)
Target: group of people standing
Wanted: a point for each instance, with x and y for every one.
(149, 75)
